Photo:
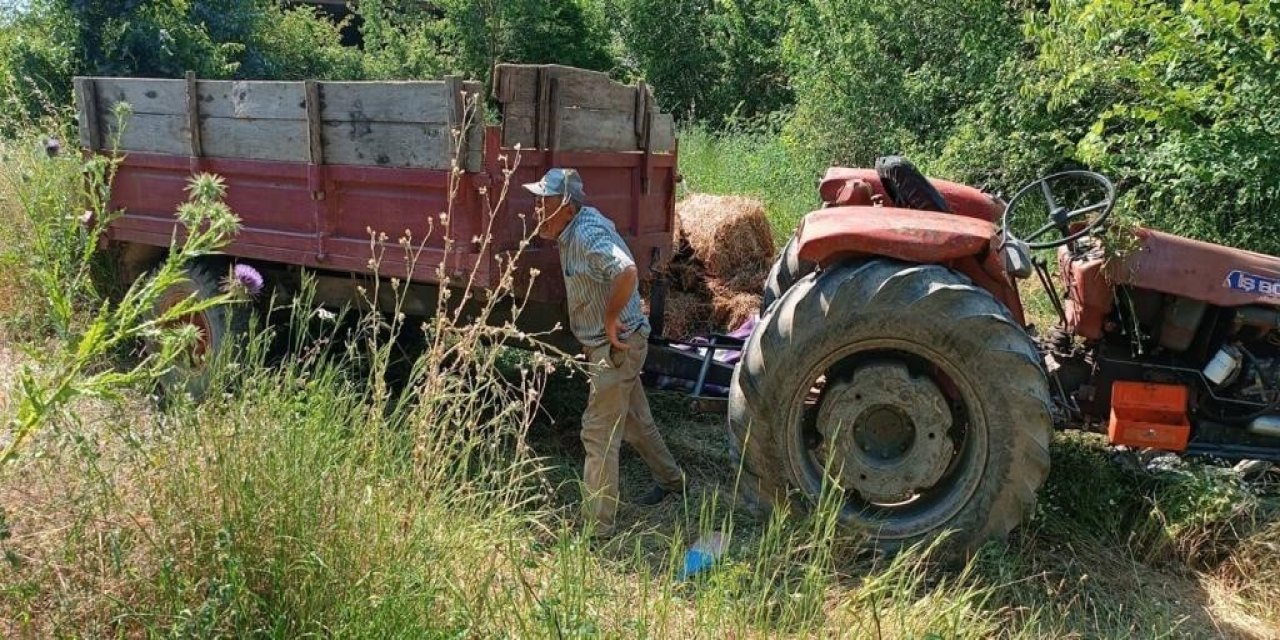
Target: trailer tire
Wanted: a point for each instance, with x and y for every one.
(222, 329)
(923, 351)
(786, 270)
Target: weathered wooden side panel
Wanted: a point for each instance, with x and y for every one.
(146, 132)
(389, 124)
(258, 139)
(386, 144)
(252, 100)
(424, 102)
(565, 109)
(582, 129)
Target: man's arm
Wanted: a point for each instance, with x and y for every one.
(624, 285)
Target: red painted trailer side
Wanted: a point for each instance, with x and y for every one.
(320, 216)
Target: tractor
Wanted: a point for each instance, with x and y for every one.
(894, 363)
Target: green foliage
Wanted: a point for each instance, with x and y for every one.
(90, 327)
(403, 39)
(569, 32)
(1181, 104)
(35, 67)
(707, 59)
(873, 78)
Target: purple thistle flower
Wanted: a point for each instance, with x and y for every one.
(249, 278)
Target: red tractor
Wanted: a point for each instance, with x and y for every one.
(893, 362)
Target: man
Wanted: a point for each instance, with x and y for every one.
(601, 280)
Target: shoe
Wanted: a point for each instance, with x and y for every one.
(656, 495)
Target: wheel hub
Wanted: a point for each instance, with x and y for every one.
(886, 432)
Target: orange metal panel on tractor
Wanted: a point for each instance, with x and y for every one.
(1145, 414)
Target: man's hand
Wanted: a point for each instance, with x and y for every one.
(614, 328)
(623, 287)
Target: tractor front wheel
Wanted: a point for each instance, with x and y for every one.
(906, 390)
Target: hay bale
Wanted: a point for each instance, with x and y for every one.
(729, 234)
(730, 308)
(688, 314)
(748, 281)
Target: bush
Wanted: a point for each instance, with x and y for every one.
(1178, 103)
(872, 78)
(707, 59)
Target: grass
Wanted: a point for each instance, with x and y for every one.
(307, 500)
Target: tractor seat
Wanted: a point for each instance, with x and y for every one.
(907, 187)
(842, 186)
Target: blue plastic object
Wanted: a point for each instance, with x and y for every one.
(702, 555)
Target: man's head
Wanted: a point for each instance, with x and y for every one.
(559, 196)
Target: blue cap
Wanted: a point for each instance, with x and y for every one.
(565, 183)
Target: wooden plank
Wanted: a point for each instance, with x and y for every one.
(596, 130)
(284, 140)
(555, 111)
(193, 115)
(475, 135)
(315, 144)
(387, 144)
(662, 135)
(578, 131)
(457, 120)
(641, 108)
(144, 95)
(422, 102)
(517, 130)
(87, 113)
(578, 88)
(252, 99)
(149, 132)
(541, 113)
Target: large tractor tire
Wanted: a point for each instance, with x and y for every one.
(221, 329)
(905, 389)
(786, 270)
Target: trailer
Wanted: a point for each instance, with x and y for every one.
(329, 176)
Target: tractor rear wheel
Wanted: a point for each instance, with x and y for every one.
(219, 328)
(905, 389)
(786, 270)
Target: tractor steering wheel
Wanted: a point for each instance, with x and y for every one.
(1060, 217)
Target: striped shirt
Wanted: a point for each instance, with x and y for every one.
(592, 255)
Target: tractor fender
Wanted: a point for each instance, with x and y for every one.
(828, 235)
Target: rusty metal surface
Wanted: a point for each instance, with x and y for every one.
(321, 216)
(1199, 270)
(1089, 295)
(962, 199)
(888, 431)
(904, 234)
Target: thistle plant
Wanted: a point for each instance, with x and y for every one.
(73, 369)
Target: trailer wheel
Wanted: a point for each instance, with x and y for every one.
(220, 329)
(905, 389)
(786, 270)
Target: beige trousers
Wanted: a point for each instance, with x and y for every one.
(618, 411)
